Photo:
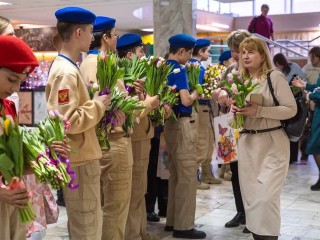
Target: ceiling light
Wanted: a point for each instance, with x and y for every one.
(206, 27)
(5, 4)
(219, 25)
(26, 25)
(147, 29)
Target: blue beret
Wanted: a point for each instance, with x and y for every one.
(75, 15)
(103, 24)
(225, 56)
(128, 41)
(202, 42)
(182, 40)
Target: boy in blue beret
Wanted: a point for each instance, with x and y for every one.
(226, 59)
(67, 92)
(117, 161)
(129, 45)
(181, 137)
(200, 53)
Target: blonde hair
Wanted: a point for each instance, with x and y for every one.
(4, 22)
(257, 44)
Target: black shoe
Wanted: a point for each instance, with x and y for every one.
(239, 218)
(61, 202)
(246, 230)
(316, 187)
(152, 217)
(190, 234)
(168, 228)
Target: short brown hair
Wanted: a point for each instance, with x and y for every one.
(315, 51)
(264, 6)
(96, 43)
(65, 29)
(196, 50)
(236, 37)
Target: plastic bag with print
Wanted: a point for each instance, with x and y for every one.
(225, 150)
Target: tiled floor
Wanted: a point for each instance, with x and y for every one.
(300, 210)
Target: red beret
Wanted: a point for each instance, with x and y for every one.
(16, 55)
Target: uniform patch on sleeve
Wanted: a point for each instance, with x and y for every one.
(63, 96)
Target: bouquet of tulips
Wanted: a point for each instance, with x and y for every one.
(156, 83)
(133, 69)
(108, 72)
(121, 102)
(12, 162)
(212, 79)
(48, 166)
(239, 87)
(170, 98)
(193, 72)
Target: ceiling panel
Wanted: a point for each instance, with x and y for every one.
(42, 12)
(233, 1)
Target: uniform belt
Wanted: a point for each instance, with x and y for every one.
(260, 130)
(205, 110)
(180, 115)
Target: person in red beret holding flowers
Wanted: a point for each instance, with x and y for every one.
(16, 62)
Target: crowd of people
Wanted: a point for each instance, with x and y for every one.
(118, 187)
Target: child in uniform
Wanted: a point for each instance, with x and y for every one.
(116, 163)
(204, 147)
(127, 46)
(16, 62)
(67, 92)
(181, 138)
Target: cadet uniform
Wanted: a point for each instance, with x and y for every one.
(116, 163)
(205, 132)
(142, 133)
(16, 56)
(181, 137)
(67, 92)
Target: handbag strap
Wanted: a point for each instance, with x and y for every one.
(271, 89)
(275, 100)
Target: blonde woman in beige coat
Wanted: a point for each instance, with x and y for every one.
(263, 144)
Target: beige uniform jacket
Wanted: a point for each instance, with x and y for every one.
(67, 92)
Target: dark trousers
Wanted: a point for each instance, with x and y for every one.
(305, 136)
(236, 186)
(157, 187)
(60, 194)
(294, 149)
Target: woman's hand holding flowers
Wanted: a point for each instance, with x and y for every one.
(250, 110)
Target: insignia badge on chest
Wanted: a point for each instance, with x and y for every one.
(63, 96)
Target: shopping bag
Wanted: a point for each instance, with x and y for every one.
(225, 150)
(51, 208)
(163, 171)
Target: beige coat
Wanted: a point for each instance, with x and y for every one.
(264, 158)
(83, 113)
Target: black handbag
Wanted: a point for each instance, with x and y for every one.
(294, 126)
